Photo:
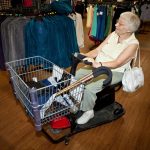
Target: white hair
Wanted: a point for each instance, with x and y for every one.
(132, 21)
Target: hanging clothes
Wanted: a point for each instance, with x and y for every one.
(15, 3)
(99, 23)
(13, 37)
(77, 18)
(89, 16)
(5, 37)
(94, 22)
(79, 8)
(53, 37)
(2, 59)
(79, 30)
(27, 3)
(109, 21)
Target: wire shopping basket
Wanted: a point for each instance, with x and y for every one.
(36, 83)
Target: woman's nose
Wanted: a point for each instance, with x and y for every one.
(116, 24)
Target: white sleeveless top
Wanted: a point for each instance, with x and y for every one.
(112, 50)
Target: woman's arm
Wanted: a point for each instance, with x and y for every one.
(123, 58)
(94, 53)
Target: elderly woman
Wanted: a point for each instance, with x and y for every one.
(115, 52)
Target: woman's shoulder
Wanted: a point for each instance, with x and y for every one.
(133, 40)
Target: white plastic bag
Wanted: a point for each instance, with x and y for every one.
(133, 79)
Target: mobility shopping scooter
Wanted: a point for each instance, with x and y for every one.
(106, 108)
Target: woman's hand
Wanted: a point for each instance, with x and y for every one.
(88, 59)
(94, 63)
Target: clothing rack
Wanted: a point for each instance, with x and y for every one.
(38, 9)
(114, 2)
(32, 11)
(19, 14)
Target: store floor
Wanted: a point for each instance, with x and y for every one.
(130, 132)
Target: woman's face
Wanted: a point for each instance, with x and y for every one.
(121, 26)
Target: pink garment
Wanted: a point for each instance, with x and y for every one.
(27, 3)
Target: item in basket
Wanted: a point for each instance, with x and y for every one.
(64, 100)
(45, 82)
(53, 80)
(34, 79)
(46, 96)
(37, 85)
